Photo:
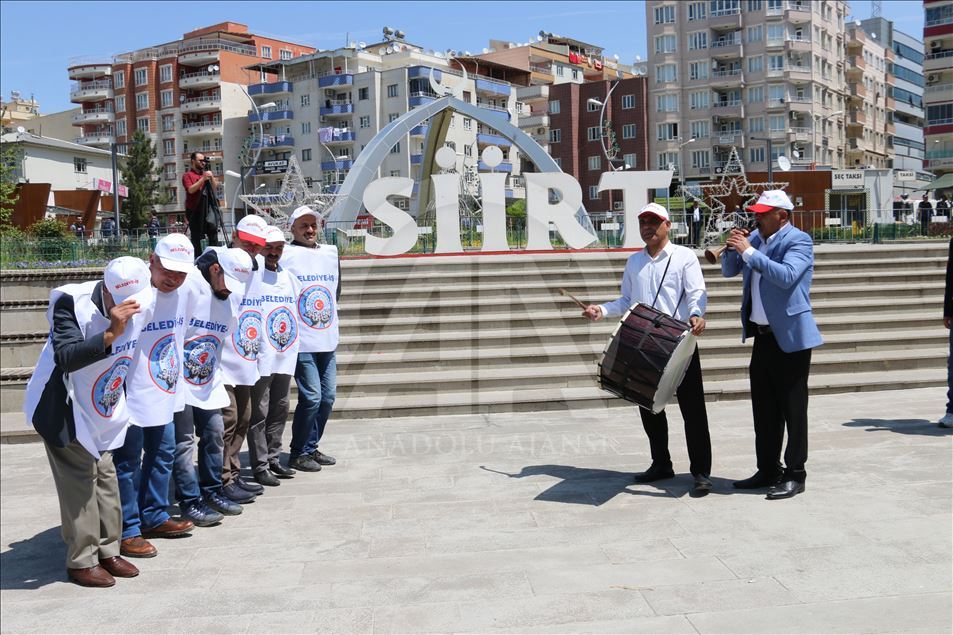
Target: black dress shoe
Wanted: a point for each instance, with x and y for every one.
(267, 479)
(702, 486)
(323, 459)
(236, 494)
(280, 470)
(759, 480)
(785, 489)
(305, 463)
(254, 488)
(656, 472)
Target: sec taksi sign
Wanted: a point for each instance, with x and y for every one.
(847, 179)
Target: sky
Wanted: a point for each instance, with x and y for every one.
(37, 39)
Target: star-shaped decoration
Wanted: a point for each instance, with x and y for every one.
(732, 184)
(294, 193)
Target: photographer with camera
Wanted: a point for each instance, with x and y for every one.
(201, 204)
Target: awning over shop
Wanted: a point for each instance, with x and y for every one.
(945, 182)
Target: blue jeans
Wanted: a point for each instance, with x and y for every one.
(143, 468)
(210, 428)
(316, 376)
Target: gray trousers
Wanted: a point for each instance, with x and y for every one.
(90, 511)
(269, 412)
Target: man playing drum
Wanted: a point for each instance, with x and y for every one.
(669, 278)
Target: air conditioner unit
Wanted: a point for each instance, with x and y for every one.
(935, 44)
(617, 206)
(329, 92)
(322, 119)
(719, 170)
(540, 130)
(932, 79)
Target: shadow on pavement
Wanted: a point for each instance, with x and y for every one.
(593, 486)
(34, 562)
(902, 426)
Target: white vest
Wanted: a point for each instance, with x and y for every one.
(209, 324)
(279, 352)
(155, 386)
(317, 271)
(98, 391)
(240, 354)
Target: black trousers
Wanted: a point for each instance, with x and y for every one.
(199, 229)
(779, 400)
(691, 402)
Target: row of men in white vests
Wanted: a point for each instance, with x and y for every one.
(140, 364)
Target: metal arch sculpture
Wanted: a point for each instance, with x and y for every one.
(364, 170)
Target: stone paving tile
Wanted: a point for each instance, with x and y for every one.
(531, 523)
(928, 613)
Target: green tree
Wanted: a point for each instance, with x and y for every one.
(141, 177)
(517, 209)
(11, 155)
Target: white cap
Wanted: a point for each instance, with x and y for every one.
(304, 210)
(655, 209)
(127, 277)
(237, 265)
(252, 228)
(274, 235)
(770, 199)
(175, 253)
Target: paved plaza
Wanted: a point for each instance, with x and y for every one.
(531, 523)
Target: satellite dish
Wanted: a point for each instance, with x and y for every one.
(539, 38)
(362, 45)
(784, 163)
(399, 34)
(856, 22)
(615, 56)
(641, 70)
(541, 33)
(485, 50)
(21, 129)
(381, 51)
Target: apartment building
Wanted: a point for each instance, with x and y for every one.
(735, 73)
(580, 131)
(906, 89)
(938, 93)
(188, 95)
(326, 107)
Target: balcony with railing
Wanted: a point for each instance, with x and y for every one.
(200, 79)
(96, 138)
(338, 137)
(332, 79)
(197, 128)
(858, 90)
(419, 131)
(198, 52)
(529, 94)
(725, 18)
(534, 120)
(213, 152)
(421, 98)
(270, 88)
(338, 164)
(96, 90)
(797, 44)
(489, 138)
(274, 142)
(491, 87)
(337, 108)
(89, 68)
(726, 108)
(798, 11)
(729, 46)
(270, 115)
(796, 72)
(94, 115)
(202, 103)
(800, 133)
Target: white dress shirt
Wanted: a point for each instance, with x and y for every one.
(758, 316)
(682, 292)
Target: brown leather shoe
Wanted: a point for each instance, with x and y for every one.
(91, 576)
(119, 567)
(137, 547)
(169, 529)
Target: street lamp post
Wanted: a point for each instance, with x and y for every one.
(261, 143)
(602, 123)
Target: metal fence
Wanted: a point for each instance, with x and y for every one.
(822, 225)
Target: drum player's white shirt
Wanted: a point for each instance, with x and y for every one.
(642, 277)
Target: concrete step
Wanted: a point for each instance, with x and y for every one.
(13, 427)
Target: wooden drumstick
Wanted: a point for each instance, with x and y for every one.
(573, 298)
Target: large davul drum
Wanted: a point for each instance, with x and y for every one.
(646, 358)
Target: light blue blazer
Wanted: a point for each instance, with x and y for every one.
(786, 269)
